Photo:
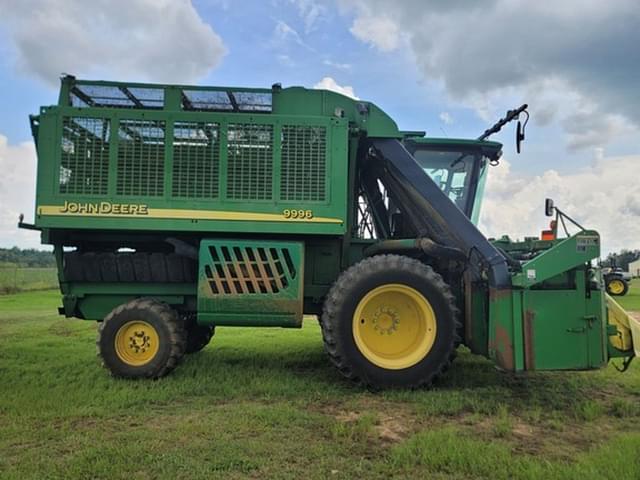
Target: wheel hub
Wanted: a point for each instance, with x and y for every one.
(616, 286)
(136, 343)
(394, 326)
(386, 320)
(139, 342)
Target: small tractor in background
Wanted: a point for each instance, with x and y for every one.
(175, 209)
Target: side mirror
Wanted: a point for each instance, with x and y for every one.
(519, 136)
(548, 207)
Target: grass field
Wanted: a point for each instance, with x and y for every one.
(17, 279)
(264, 403)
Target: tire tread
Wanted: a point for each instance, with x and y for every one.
(177, 334)
(337, 296)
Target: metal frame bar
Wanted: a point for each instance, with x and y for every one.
(131, 96)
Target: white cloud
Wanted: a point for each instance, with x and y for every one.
(446, 118)
(339, 66)
(310, 11)
(158, 40)
(576, 55)
(17, 193)
(378, 31)
(328, 83)
(599, 197)
(285, 33)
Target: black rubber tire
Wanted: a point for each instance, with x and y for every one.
(624, 290)
(124, 263)
(91, 267)
(198, 336)
(72, 266)
(129, 267)
(158, 264)
(343, 298)
(108, 267)
(171, 333)
(141, 267)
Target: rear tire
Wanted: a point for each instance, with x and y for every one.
(390, 321)
(617, 287)
(198, 336)
(141, 339)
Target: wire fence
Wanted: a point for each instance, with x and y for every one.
(19, 279)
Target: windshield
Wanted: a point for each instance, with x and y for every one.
(452, 171)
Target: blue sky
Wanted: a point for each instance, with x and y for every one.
(257, 56)
(450, 68)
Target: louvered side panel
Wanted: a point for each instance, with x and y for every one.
(250, 282)
(241, 270)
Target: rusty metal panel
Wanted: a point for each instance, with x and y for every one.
(250, 282)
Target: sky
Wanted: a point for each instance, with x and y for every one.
(450, 68)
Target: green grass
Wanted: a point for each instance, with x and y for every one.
(631, 301)
(264, 403)
(17, 279)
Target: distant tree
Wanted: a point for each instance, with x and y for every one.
(621, 259)
(26, 258)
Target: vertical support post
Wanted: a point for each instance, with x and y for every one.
(352, 194)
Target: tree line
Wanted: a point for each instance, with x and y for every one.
(29, 257)
(621, 259)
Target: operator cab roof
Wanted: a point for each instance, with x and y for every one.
(490, 149)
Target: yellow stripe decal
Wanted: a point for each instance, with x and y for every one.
(57, 210)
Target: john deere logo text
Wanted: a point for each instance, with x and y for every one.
(104, 208)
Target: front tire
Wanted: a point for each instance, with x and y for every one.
(141, 339)
(390, 321)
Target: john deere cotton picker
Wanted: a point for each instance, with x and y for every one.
(174, 209)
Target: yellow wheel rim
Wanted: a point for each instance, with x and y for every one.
(616, 287)
(394, 326)
(136, 343)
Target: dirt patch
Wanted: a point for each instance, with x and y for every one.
(387, 428)
(557, 438)
(523, 430)
(393, 429)
(552, 438)
(347, 417)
